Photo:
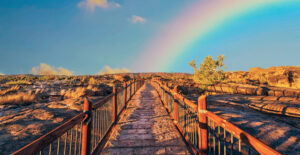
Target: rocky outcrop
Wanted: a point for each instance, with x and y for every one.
(281, 109)
(246, 89)
(284, 76)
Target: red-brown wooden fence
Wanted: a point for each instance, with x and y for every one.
(87, 132)
(204, 131)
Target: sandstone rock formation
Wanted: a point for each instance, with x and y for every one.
(283, 76)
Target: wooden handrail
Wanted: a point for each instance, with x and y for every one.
(44, 141)
(248, 139)
(102, 101)
(35, 146)
(180, 97)
(258, 145)
(105, 99)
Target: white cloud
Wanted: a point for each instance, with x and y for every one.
(92, 4)
(137, 19)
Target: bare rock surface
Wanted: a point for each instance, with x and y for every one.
(20, 125)
(145, 128)
(278, 131)
(282, 76)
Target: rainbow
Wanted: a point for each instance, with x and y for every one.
(194, 23)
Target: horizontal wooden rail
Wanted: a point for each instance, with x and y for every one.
(102, 101)
(88, 140)
(51, 136)
(259, 146)
(201, 111)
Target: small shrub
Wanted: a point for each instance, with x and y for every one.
(47, 78)
(77, 93)
(93, 81)
(83, 79)
(210, 71)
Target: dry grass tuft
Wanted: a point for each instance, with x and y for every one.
(77, 93)
(93, 81)
(12, 89)
(19, 82)
(17, 99)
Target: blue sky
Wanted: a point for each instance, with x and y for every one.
(265, 38)
(81, 38)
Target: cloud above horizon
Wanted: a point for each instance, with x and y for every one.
(45, 69)
(109, 70)
(92, 4)
(137, 19)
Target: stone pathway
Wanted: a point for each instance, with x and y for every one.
(145, 128)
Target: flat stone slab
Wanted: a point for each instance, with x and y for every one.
(278, 131)
(145, 128)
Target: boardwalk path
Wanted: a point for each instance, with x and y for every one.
(145, 128)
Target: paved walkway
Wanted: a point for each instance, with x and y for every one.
(145, 128)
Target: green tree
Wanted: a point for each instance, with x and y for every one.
(210, 71)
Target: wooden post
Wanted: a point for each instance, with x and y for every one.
(139, 84)
(115, 105)
(161, 91)
(134, 89)
(202, 125)
(166, 97)
(86, 128)
(175, 105)
(130, 91)
(125, 94)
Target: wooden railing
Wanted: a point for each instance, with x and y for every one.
(204, 131)
(87, 132)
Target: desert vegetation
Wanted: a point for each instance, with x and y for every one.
(32, 105)
(19, 98)
(210, 71)
(12, 89)
(263, 102)
(48, 100)
(28, 89)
